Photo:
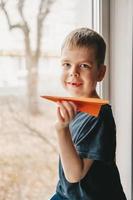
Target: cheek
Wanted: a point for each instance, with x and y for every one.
(63, 78)
(94, 75)
(91, 79)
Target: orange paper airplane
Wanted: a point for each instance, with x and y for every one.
(88, 105)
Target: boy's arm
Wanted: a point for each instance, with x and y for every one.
(74, 167)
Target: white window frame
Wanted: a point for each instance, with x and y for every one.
(100, 23)
(103, 15)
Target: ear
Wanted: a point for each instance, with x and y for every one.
(101, 72)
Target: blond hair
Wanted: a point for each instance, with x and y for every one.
(85, 37)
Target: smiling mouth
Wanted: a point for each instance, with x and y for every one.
(74, 84)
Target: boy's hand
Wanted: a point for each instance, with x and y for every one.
(66, 111)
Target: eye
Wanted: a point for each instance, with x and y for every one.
(66, 65)
(85, 66)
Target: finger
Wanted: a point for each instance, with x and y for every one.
(61, 119)
(63, 111)
(70, 109)
(74, 106)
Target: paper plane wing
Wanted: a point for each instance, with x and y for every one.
(88, 105)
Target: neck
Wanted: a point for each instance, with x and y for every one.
(94, 95)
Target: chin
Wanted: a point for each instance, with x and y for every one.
(75, 94)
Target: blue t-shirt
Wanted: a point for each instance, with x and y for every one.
(94, 138)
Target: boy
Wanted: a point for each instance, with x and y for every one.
(87, 169)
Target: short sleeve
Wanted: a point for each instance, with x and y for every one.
(95, 137)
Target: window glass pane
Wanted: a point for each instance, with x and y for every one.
(63, 17)
(28, 151)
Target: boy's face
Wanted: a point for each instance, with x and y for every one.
(80, 72)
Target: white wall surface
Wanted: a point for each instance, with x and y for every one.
(121, 85)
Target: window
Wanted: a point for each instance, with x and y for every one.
(63, 17)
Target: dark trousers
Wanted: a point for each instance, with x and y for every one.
(55, 197)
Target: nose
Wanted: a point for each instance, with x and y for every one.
(74, 72)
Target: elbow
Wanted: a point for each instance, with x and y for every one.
(73, 179)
